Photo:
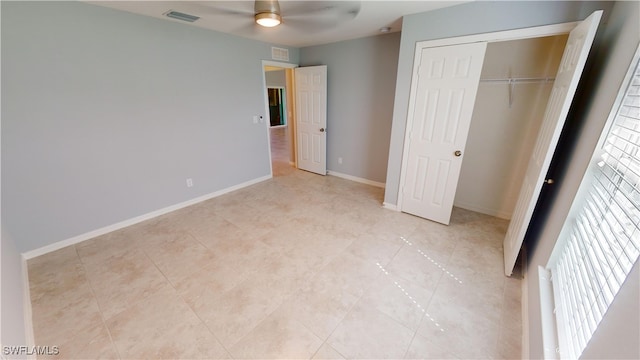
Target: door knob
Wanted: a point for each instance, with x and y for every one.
(321, 129)
(549, 181)
(457, 153)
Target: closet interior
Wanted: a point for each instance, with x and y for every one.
(516, 81)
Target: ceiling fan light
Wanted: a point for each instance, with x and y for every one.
(268, 19)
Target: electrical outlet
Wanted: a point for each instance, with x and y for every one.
(340, 160)
(189, 182)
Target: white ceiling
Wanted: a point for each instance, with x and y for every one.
(305, 23)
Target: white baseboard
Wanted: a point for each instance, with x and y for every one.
(122, 224)
(356, 179)
(483, 210)
(388, 206)
(26, 303)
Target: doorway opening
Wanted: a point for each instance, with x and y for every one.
(279, 110)
(277, 106)
(515, 85)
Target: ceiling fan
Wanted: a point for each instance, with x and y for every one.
(267, 13)
(310, 16)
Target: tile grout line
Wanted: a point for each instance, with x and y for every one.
(285, 298)
(206, 326)
(423, 309)
(423, 315)
(323, 344)
(355, 303)
(182, 299)
(305, 326)
(95, 297)
(433, 293)
(253, 328)
(346, 314)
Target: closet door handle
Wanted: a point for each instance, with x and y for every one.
(457, 153)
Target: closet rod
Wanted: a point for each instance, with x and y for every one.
(513, 81)
(519, 80)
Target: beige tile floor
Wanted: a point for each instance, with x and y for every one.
(300, 266)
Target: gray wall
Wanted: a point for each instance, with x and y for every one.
(361, 83)
(619, 335)
(466, 19)
(106, 113)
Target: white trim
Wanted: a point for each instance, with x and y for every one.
(278, 64)
(267, 122)
(391, 207)
(356, 179)
(483, 210)
(107, 229)
(524, 33)
(26, 305)
(506, 35)
(547, 314)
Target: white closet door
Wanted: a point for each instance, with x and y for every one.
(441, 105)
(564, 88)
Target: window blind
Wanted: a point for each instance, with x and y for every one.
(603, 237)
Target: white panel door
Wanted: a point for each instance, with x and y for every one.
(564, 88)
(311, 119)
(440, 108)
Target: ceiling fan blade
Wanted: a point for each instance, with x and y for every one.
(246, 30)
(327, 18)
(309, 27)
(251, 29)
(223, 8)
(321, 8)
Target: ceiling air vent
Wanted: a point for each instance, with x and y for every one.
(181, 16)
(279, 54)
